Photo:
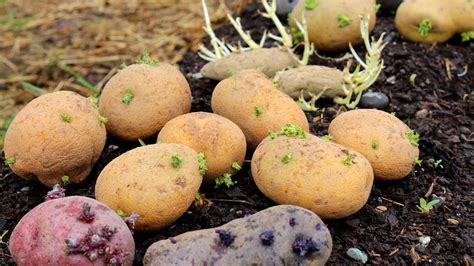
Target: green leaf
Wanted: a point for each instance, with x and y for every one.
(65, 179)
(432, 203)
(422, 202)
(327, 137)
(413, 137)
(236, 166)
(128, 96)
(348, 160)
(147, 60)
(202, 163)
(287, 158)
(344, 20)
(425, 27)
(467, 36)
(258, 111)
(176, 161)
(310, 4)
(65, 117)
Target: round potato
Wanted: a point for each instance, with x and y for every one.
(389, 145)
(333, 24)
(250, 100)
(141, 98)
(324, 177)
(219, 139)
(55, 135)
(158, 182)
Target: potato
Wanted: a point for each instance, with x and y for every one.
(250, 100)
(434, 21)
(280, 235)
(381, 137)
(55, 135)
(54, 233)
(158, 182)
(141, 98)
(268, 60)
(221, 141)
(326, 178)
(333, 24)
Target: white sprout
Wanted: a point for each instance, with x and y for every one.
(246, 35)
(308, 47)
(285, 38)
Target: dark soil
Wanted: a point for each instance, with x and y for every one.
(439, 106)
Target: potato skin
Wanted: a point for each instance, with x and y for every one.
(359, 129)
(160, 93)
(45, 147)
(270, 60)
(39, 237)
(143, 181)
(316, 178)
(448, 17)
(221, 141)
(202, 247)
(323, 23)
(237, 97)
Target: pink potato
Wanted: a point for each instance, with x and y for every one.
(53, 233)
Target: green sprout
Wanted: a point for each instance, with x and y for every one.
(426, 207)
(412, 80)
(202, 163)
(65, 117)
(425, 27)
(5, 232)
(344, 20)
(413, 137)
(197, 197)
(258, 111)
(127, 97)
(102, 119)
(65, 179)
(467, 36)
(437, 164)
(142, 143)
(123, 65)
(289, 130)
(10, 161)
(272, 135)
(276, 84)
(297, 35)
(377, 7)
(327, 137)
(121, 213)
(417, 161)
(146, 59)
(236, 166)
(310, 4)
(287, 158)
(225, 179)
(176, 161)
(375, 144)
(94, 100)
(348, 160)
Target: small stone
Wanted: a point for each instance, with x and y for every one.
(25, 189)
(453, 221)
(381, 208)
(285, 6)
(423, 113)
(375, 100)
(424, 241)
(391, 80)
(197, 75)
(357, 255)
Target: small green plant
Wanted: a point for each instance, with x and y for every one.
(425, 27)
(94, 100)
(412, 80)
(102, 119)
(146, 59)
(123, 65)
(467, 36)
(348, 160)
(258, 111)
(121, 213)
(10, 161)
(327, 137)
(127, 97)
(310, 4)
(225, 179)
(65, 117)
(437, 164)
(236, 166)
(176, 161)
(287, 158)
(413, 137)
(4, 233)
(375, 144)
(417, 161)
(288, 130)
(65, 179)
(202, 163)
(296, 34)
(142, 143)
(377, 7)
(344, 20)
(426, 207)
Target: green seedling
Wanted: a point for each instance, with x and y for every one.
(146, 59)
(225, 179)
(310, 4)
(102, 119)
(412, 80)
(65, 117)
(236, 166)
(142, 143)
(127, 97)
(425, 27)
(121, 213)
(467, 36)
(327, 137)
(348, 160)
(289, 130)
(426, 207)
(413, 137)
(202, 163)
(375, 144)
(437, 164)
(65, 179)
(258, 111)
(377, 7)
(10, 161)
(417, 161)
(344, 20)
(94, 100)
(32, 88)
(176, 161)
(287, 158)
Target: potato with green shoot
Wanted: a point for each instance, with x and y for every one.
(220, 140)
(389, 144)
(55, 135)
(333, 24)
(249, 100)
(158, 182)
(141, 98)
(434, 21)
(292, 167)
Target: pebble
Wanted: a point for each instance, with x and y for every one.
(357, 255)
(375, 100)
(391, 80)
(424, 240)
(285, 6)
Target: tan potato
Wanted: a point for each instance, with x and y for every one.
(326, 178)
(326, 27)
(380, 137)
(434, 21)
(219, 139)
(55, 135)
(158, 182)
(140, 99)
(268, 60)
(250, 100)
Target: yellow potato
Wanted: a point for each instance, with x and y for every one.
(380, 137)
(326, 178)
(333, 24)
(55, 135)
(250, 100)
(221, 141)
(140, 99)
(158, 182)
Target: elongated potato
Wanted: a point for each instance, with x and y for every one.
(388, 143)
(268, 60)
(324, 177)
(250, 100)
(158, 182)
